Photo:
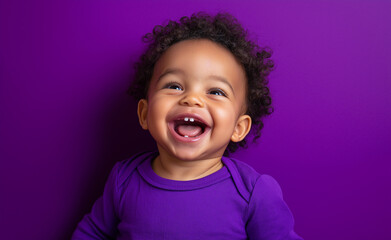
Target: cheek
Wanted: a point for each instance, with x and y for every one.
(225, 117)
(156, 119)
(158, 109)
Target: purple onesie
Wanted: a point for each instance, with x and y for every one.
(233, 203)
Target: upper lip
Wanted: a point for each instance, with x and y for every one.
(195, 116)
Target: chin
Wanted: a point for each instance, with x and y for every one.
(185, 152)
(187, 155)
(195, 154)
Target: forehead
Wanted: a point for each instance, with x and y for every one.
(200, 57)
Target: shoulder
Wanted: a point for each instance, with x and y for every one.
(244, 176)
(268, 184)
(122, 170)
(247, 173)
(248, 180)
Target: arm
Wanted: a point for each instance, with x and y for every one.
(102, 221)
(269, 218)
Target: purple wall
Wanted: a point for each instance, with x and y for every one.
(65, 117)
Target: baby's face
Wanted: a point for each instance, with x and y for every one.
(196, 101)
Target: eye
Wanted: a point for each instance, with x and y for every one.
(217, 92)
(174, 86)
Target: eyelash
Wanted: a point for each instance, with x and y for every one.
(175, 86)
(218, 90)
(170, 85)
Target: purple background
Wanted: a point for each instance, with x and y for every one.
(65, 117)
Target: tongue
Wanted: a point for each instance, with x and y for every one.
(189, 130)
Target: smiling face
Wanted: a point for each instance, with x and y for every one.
(196, 101)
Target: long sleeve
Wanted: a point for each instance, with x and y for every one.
(269, 218)
(101, 222)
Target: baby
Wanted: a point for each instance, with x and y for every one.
(201, 87)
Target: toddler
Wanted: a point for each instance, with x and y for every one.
(201, 86)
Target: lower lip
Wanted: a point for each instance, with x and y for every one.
(180, 138)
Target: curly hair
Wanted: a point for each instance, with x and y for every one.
(226, 31)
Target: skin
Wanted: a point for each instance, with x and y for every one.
(201, 78)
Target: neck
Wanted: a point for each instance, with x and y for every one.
(176, 169)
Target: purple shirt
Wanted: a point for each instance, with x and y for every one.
(233, 203)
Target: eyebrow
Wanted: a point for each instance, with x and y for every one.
(223, 80)
(170, 71)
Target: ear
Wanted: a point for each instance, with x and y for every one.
(142, 111)
(242, 128)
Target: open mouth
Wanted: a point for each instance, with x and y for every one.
(189, 127)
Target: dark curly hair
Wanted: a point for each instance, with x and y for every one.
(226, 31)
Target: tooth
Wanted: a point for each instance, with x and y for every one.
(191, 119)
(186, 136)
(186, 119)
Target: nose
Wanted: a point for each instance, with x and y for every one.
(191, 100)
